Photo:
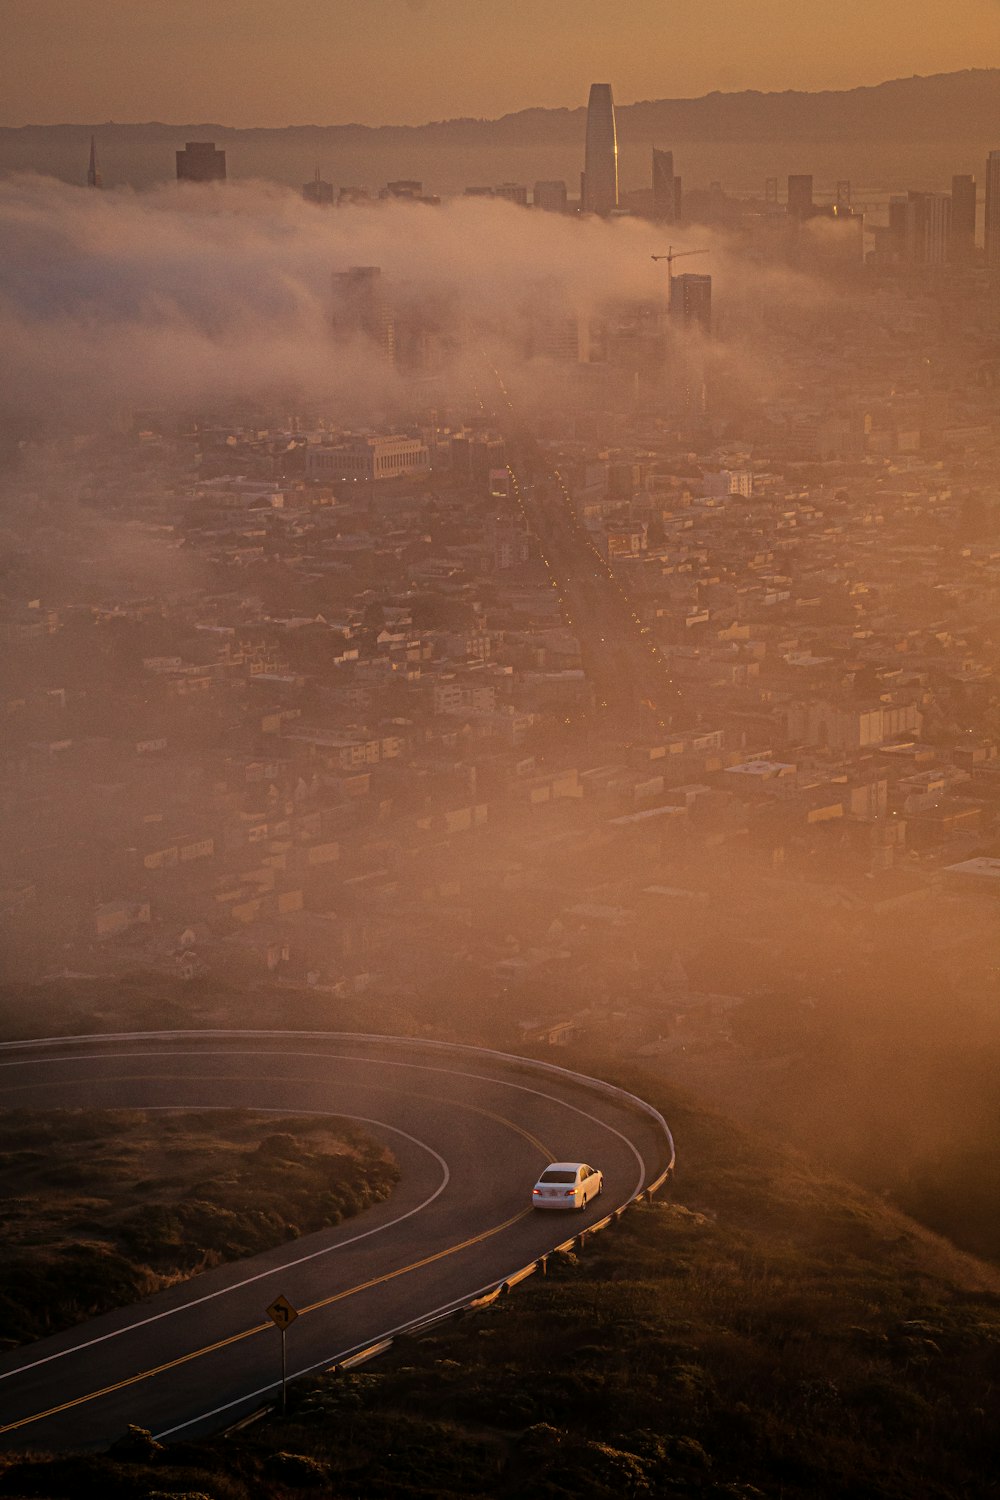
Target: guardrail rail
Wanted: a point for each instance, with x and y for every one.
(351, 1358)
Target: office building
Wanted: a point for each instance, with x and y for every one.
(556, 336)
(318, 191)
(550, 196)
(920, 228)
(599, 183)
(962, 249)
(362, 306)
(200, 162)
(94, 178)
(665, 187)
(691, 302)
(800, 196)
(842, 242)
(507, 537)
(410, 190)
(992, 230)
(513, 192)
(368, 458)
(933, 228)
(897, 234)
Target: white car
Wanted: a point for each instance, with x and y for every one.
(567, 1184)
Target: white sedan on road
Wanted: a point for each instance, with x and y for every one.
(567, 1184)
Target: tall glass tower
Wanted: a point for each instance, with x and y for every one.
(599, 193)
(993, 210)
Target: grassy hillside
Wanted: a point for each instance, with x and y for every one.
(769, 1332)
(103, 1207)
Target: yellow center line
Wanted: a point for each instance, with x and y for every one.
(235, 1338)
(120, 1385)
(418, 1264)
(247, 1333)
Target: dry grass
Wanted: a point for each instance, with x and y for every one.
(102, 1207)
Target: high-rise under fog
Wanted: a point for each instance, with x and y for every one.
(599, 187)
(201, 162)
(992, 222)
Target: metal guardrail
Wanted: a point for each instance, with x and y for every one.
(422, 1043)
(494, 1289)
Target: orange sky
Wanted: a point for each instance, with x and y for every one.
(278, 62)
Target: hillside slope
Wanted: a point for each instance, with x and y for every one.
(961, 106)
(771, 1331)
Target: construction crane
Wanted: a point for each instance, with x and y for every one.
(670, 257)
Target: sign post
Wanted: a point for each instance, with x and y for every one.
(282, 1313)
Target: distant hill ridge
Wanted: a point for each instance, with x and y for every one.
(944, 106)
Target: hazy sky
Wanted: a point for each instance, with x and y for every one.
(278, 62)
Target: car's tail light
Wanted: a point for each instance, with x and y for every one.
(570, 1193)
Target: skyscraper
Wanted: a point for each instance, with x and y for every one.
(691, 302)
(992, 235)
(962, 250)
(513, 192)
(362, 306)
(599, 184)
(920, 229)
(664, 187)
(318, 191)
(931, 232)
(897, 234)
(200, 162)
(550, 196)
(94, 178)
(800, 196)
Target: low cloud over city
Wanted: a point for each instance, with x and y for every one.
(500, 770)
(178, 296)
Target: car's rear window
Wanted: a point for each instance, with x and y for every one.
(558, 1177)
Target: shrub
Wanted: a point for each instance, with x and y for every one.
(295, 1469)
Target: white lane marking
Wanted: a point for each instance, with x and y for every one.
(336, 1057)
(276, 1270)
(347, 1057)
(355, 1038)
(330, 1359)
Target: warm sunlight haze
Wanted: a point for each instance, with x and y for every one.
(254, 62)
(500, 755)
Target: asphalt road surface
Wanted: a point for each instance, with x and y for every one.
(470, 1132)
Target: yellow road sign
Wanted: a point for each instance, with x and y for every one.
(282, 1312)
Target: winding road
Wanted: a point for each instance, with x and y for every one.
(469, 1128)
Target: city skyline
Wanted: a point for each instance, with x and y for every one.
(411, 61)
(504, 596)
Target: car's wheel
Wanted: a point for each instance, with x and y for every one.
(600, 1187)
(583, 1205)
